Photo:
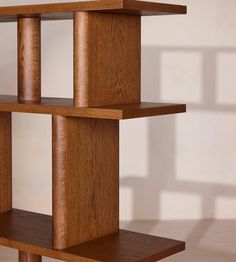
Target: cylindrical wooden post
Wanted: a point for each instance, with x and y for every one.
(28, 257)
(29, 78)
(29, 59)
(5, 163)
(81, 50)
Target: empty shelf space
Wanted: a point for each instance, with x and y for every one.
(60, 11)
(64, 106)
(32, 232)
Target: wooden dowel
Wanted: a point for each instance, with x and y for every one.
(29, 78)
(29, 59)
(28, 257)
(5, 162)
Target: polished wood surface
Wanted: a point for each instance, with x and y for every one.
(85, 179)
(28, 257)
(65, 10)
(29, 59)
(107, 59)
(85, 133)
(64, 106)
(33, 232)
(5, 162)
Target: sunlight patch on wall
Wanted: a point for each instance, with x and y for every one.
(225, 208)
(226, 78)
(206, 148)
(181, 76)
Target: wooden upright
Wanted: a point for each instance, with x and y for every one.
(107, 59)
(85, 133)
(5, 163)
(106, 71)
(29, 77)
(29, 59)
(85, 180)
(28, 257)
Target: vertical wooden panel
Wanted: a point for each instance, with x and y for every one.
(5, 162)
(107, 55)
(28, 257)
(29, 59)
(85, 179)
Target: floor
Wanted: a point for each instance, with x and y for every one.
(207, 240)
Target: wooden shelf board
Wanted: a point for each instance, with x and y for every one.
(61, 11)
(32, 232)
(64, 106)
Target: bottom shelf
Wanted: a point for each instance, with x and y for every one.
(32, 232)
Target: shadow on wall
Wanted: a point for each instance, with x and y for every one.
(161, 174)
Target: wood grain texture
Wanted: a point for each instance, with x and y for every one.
(5, 162)
(60, 11)
(29, 59)
(64, 106)
(29, 257)
(107, 59)
(85, 180)
(32, 232)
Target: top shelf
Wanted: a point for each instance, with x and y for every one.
(61, 11)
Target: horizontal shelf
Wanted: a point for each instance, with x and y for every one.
(32, 232)
(64, 106)
(65, 10)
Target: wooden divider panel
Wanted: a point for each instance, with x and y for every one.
(85, 179)
(107, 55)
(5, 162)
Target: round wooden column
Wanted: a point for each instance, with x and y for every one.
(5, 162)
(29, 78)
(29, 59)
(28, 257)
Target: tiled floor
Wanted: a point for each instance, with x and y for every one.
(207, 240)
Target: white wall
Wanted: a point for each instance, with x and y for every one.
(172, 167)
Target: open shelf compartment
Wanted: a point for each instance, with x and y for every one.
(32, 232)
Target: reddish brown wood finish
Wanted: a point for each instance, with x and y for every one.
(64, 106)
(60, 11)
(107, 65)
(28, 257)
(29, 59)
(5, 162)
(85, 180)
(29, 78)
(32, 232)
(107, 56)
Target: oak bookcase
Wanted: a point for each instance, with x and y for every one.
(85, 133)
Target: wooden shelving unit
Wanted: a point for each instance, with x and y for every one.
(84, 225)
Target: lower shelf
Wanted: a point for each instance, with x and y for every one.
(32, 232)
